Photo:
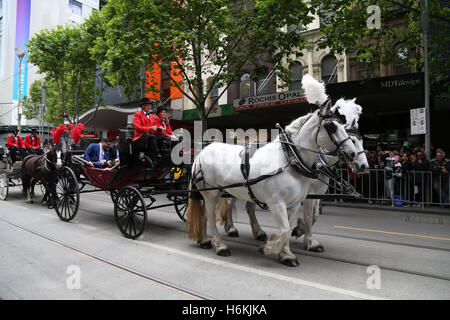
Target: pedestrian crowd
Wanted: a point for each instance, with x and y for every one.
(404, 177)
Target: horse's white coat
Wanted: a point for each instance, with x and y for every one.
(284, 193)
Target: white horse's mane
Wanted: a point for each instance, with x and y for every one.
(349, 109)
(295, 126)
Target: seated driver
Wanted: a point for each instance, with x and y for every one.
(33, 143)
(97, 154)
(144, 127)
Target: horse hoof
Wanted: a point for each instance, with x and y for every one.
(224, 253)
(317, 249)
(206, 245)
(30, 202)
(290, 262)
(233, 234)
(50, 206)
(296, 232)
(261, 250)
(262, 237)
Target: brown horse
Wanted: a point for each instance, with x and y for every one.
(41, 168)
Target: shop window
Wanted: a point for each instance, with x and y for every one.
(328, 69)
(75, 7)
(296, 76)
(245, 85)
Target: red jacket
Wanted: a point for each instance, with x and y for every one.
(142, 124)
(35, 143)
(167, 130)
(13, 140)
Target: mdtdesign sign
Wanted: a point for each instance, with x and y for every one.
(269, 100)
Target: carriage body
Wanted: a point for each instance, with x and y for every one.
(132, 186)
(10, 171)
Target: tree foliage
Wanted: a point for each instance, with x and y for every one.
(63, 55)
(184, 36)
(400, 36)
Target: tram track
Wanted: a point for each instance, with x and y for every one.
(324, 256)
(109, 262)
(255, 244)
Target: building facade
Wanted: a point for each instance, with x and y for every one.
(19, 21)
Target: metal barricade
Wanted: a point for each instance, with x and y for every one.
(411, 188)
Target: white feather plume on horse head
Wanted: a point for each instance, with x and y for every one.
(314, 90)
(349, 109)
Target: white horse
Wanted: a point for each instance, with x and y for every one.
(227, 208)
(218, 166)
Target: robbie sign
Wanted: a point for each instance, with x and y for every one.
(269, 100)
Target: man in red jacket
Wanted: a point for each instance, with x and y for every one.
(14, 140)
(144, 126)
(15, 144)
(33, 143)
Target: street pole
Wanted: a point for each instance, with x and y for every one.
(425, 27)
(20, 55)
(41, 120)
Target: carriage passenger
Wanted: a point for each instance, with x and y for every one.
(33, 143)
(114, 159)
(144, 127)
(164, 131)
(97, 154)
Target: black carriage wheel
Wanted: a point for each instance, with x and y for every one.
(181, 203)
(130, 212)
(4, 186)
(67, 194)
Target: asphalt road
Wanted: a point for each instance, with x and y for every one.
(42, 257)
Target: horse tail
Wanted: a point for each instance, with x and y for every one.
(195, 215)
(221, 211)
(195, 219)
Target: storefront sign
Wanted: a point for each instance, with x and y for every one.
(269, 100)
(89, 135)
(418, 121)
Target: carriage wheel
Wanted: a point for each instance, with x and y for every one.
(67, 194)
(4, 186)
(130, 212)
(181, 203)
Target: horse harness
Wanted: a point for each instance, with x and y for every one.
(295, 160)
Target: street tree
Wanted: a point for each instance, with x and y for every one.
(187, 37)
(63, 55)
(382, 32)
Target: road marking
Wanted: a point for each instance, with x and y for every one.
(395, 233)
(263, 273)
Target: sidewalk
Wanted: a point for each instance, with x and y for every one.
(365, 205)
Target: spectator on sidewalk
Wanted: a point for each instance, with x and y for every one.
(389, 163)
(440, 167)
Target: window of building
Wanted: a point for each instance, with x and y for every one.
(165, 86)
(245, 85)
(296, 76)
(362, 65)
(262, 84)
(328, 68)
(75, 7)
(401, 60)
(213, 94)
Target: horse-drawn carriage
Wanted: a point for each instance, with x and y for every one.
(10, 171)
(132, 186)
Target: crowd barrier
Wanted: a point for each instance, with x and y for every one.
(412, 188)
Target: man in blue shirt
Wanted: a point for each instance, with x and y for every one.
(97, 153)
